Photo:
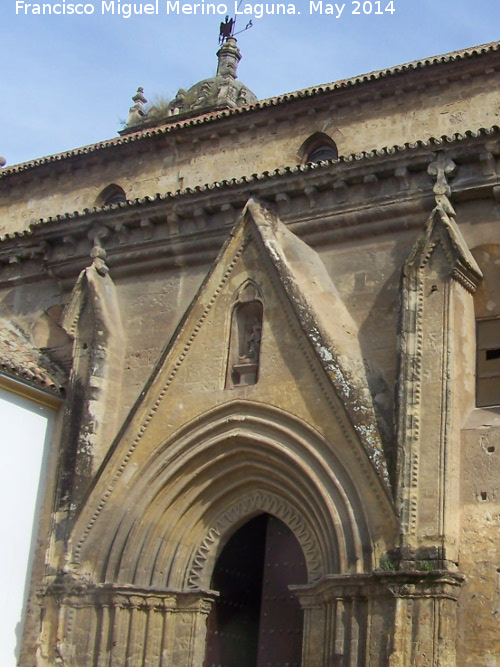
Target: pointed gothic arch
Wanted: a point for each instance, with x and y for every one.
(194, 462)
(233, 461)
(154, 555)
(231, 520)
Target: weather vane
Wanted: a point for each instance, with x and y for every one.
(227, 27)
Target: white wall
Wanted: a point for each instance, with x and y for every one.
(25, 431)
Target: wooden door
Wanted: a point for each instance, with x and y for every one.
(257, 622)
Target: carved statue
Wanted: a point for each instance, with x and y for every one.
(251, 341)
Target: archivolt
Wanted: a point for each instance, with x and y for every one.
(204, 560)
(235, 461)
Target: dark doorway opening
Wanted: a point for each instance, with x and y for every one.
(257, 621)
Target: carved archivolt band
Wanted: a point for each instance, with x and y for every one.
(237, 461)
(201, 568)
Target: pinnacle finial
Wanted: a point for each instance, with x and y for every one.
(442, 168)
(139, 96)
(229, 56)
(98, 255)
(137, 111)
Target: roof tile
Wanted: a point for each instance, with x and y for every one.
(19, 358)
(270, 102)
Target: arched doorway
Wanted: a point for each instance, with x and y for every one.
(257, 621)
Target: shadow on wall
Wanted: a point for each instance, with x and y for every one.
(378, 339)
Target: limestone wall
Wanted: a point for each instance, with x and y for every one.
(364, 218)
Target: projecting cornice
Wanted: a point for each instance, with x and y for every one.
(363, 159)
(332, 200)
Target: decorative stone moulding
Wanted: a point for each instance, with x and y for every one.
(245, 337)
(439, 277)
(166, 501)
(92, 319)
(204, 559)
(339, 212)
(248, 423)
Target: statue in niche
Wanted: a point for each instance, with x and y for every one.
(246, 333)
(251, 341)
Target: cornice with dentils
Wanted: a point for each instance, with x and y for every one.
(306, 93)
(180, 196)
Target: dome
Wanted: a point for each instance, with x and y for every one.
(222, 91)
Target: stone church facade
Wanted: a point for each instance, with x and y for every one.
(276, 328)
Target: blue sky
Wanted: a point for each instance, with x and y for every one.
(67, 81)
